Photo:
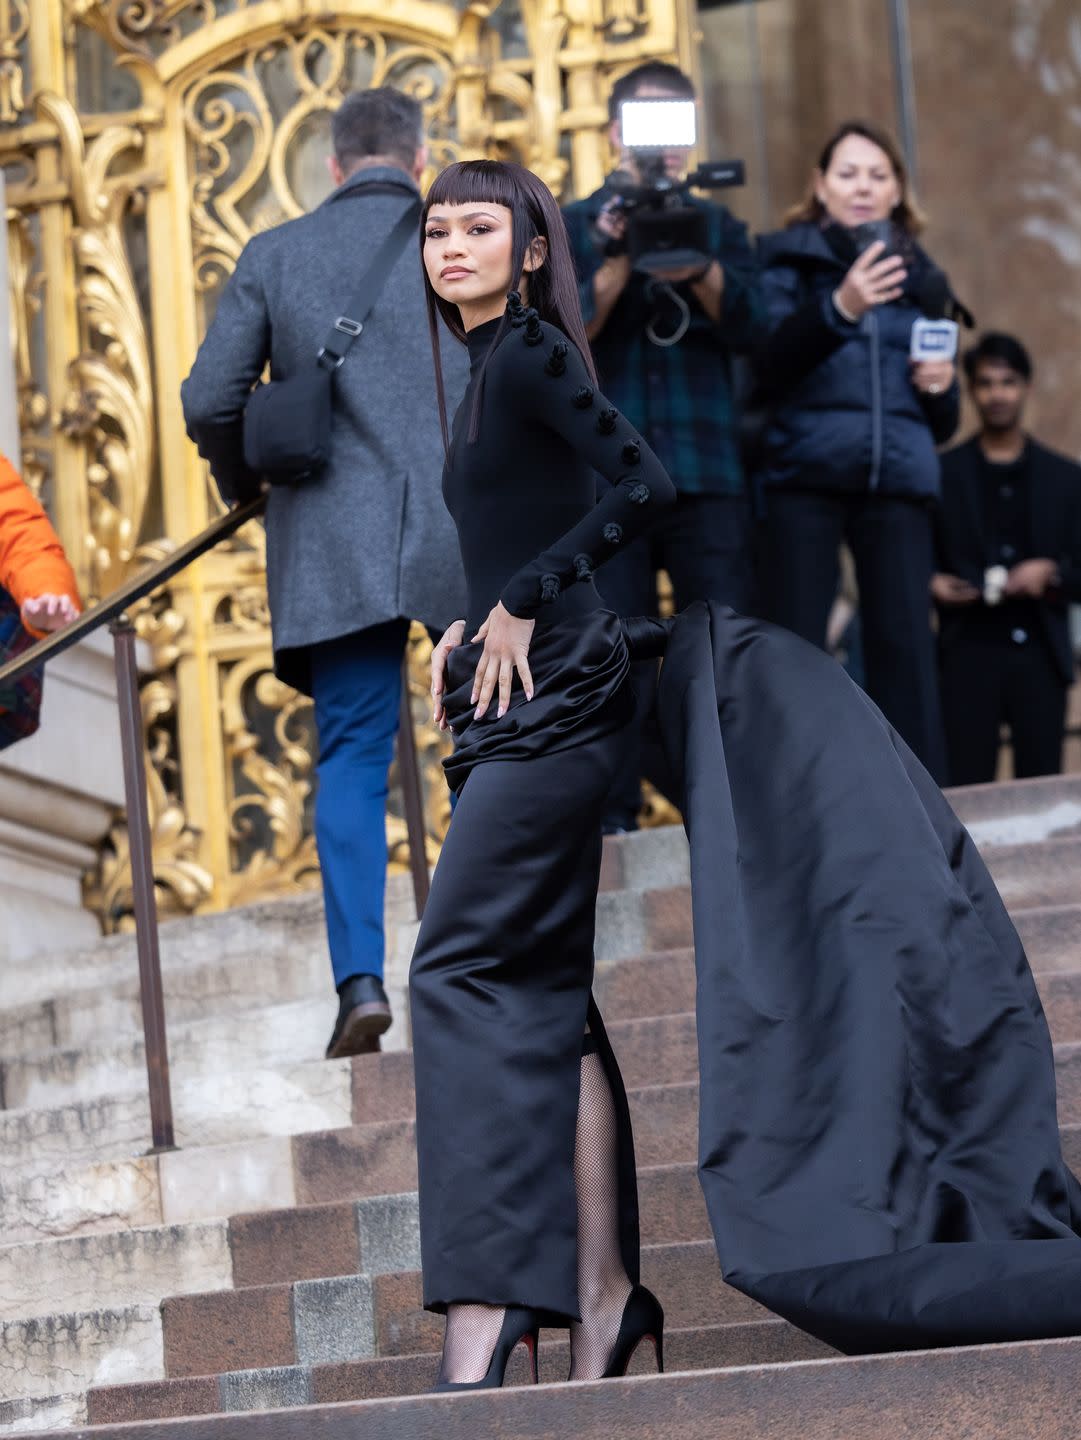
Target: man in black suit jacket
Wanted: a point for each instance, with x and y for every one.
(1009, 565)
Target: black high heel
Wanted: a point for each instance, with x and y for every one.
(643, 1319)
(520, 1326)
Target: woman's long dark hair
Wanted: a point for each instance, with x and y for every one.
(906, 213)
(552, 287)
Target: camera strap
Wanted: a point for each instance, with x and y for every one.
(654, 289)
(350, 324)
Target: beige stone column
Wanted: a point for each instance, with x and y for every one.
(59, 793)
(9, 402)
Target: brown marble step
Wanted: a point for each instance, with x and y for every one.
(312, 1242)
(267, 1325)
(651, 985)
(764, 1342)
(1051, 935)
(755, 1342)
(662, 983)
(653, 1044)
(305, 1242)
(1047, 873)
(371, 1160)
(993, 1392)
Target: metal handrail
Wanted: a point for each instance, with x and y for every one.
(133, 590)
(113, 611)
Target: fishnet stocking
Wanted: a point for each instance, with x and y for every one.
(469, 1342)
(603, 1286)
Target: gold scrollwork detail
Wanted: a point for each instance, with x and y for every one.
(624, 19)
(234, 95)
(25, 282)
(14, 28)
(246, 147)
(109, 405)
(267, 730)
(181, 883)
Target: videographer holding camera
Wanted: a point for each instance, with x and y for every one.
(669, 294)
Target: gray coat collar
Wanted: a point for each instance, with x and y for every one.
(374, 174)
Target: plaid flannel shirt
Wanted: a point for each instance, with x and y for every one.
(679, 397)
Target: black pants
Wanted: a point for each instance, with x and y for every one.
(990, 676)
(892, 544)
(704, 543)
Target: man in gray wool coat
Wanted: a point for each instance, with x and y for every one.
(364, 546)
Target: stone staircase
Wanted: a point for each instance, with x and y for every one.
(272, 1261)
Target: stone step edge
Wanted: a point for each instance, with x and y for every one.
(144, 1309)
(1063, 1049)
(184, 1029)
(295, 1378)
(28, 1172)
(361, 1207)
(377, 1253)
(529, 1409)
(56, 1173)
(616, 1028)
(93, 986)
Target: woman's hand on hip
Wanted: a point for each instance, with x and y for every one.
(871, 281)
(506, 649)
(452, 637)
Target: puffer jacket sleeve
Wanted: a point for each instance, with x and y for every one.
(803, 330)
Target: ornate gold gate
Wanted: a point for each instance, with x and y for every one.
(143, 142)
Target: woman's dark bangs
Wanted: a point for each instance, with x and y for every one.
(474, 182)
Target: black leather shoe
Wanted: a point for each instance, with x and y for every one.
(363, 1015)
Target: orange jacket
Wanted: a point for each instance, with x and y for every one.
(32, 559)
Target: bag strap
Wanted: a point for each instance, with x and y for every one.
(349, 325)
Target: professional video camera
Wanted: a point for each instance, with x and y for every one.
(663, 231)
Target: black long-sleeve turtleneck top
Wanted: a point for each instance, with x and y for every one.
(523, 494)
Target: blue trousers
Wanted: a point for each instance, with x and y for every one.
(356, 688)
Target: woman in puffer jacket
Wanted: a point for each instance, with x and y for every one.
(850, 449)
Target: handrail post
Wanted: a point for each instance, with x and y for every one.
(412, 798)
(142, 884)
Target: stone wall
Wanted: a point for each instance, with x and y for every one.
(999, 94)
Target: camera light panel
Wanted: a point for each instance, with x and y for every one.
(658, 124)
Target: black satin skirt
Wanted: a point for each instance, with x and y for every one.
(501, 976)
(878, 1140)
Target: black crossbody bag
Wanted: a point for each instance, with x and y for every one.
(287, 422)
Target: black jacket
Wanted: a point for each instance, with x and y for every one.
(844, 412)
(1055, 528)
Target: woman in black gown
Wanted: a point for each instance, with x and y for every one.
(528, 1204)
(878, 1145)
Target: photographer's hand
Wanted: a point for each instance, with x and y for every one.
(610, 279)
(708, 290)
(871, 281)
